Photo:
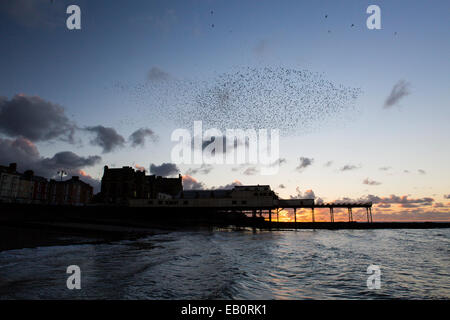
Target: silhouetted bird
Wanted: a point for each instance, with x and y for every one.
(212, 12)
(353, 25)
(212, 25)
(326, 16)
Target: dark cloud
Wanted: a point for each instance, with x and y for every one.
(349, 167)
(227, 144)
(35, 119)
(107, 138)
(421, 171)
(385, 168)
(156, 74)
(230, 185)
(328, 164)
(308, 194)
(251, 171)
(137, 138)
(278, 162)
(190, 183)
(371, 182)
(23, 152)
(204, 169)
(69, 161)
(304, 163)
(400, 90)
(393, 199)
(282, 186)
(165, 169)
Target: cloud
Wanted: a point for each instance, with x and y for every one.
(400, 90)
(106, 137)
(233, 144)
(328, 164)
(137, 138)
(204, 169)
(157, 74)
(371, 182)
(165, 169)
(190, 183)
(308, 194)
(393, 199)
(385, 168)
(304, 163)
(95, 183)
(69, 160)
(23, 152)
(416, 214)
(405, 171)
(421, 171)
(282, 186)
(140, 168)
(251, 171)
(278, 162)
(230, 185)
(349, 167)
(35, 119)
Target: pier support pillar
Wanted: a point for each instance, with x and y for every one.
(367, 212)
(260, 212)
(331, 214)
(254, 214)
(278, 218)
(295, 216)
(370, 211)
(270, 215)
(312, 213)
(350, 214)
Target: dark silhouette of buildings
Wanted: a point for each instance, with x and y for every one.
(121, 184)
(70, 192)
(25, 187)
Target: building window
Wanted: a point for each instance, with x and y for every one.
(233, 202)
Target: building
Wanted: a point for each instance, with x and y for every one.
(122, 184)
(26, 187)
(69, 192)
(9, 183)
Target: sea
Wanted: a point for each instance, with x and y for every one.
(239, 264)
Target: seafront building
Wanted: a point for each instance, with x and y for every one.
(27, 188)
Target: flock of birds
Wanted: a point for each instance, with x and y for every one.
(293, 101)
